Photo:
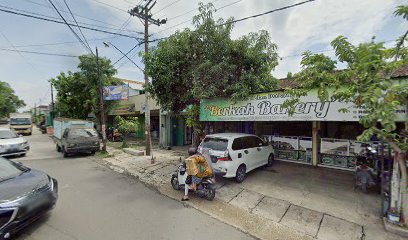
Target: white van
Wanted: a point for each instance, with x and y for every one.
(235, 154)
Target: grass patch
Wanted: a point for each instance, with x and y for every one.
(104, 154)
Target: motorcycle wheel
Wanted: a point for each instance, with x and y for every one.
(210, 194)
(175, 183)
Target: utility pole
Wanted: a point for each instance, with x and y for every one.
(142, 12)
(102, 109)
(52, 107)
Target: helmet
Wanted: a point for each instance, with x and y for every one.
(192, 151)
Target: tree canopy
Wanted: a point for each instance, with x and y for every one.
(206, 62)
(368, 82)
(77, 92)
(9, 102)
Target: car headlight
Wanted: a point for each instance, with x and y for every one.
(25, 143)
(96, 143)
(71, 145)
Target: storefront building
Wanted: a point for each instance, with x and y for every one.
(316, 134)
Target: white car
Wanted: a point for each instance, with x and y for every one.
(12, 144)
(234, 154)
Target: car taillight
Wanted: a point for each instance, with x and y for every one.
(226, 157)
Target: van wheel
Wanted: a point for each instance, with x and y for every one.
(271, 158)
(240, 174)
(58, 148)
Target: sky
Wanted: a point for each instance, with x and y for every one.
(311, 26)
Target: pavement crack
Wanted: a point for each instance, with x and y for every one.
(363, 236)
(320, 224)
(236, 195)
(260, 200)
(287, 209)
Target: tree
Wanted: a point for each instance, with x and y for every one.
(206, 63)
(9, 102)
(77, 92)
(126, 126)
(367, 82)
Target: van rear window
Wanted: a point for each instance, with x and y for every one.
(217, 144)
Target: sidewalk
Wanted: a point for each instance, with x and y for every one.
(254, 206)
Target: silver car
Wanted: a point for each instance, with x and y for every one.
(12, 144)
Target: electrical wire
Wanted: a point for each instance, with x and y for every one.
(268, 12)
(168, 5)
(35, 52)
(111, 6)
(189, 20)
(61, 22)
(60, 43)
(76, 15)
(69, 26)
(66, 4)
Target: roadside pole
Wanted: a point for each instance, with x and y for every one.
(103, 126)
(52, 108)
(142, 12)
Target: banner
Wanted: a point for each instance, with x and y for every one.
(120, 92)
(268, 107)
(125, 109)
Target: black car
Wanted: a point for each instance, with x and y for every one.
(25, 195)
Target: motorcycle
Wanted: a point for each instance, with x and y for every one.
(180, 180)
(114, 135)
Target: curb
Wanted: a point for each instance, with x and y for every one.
(241, 225)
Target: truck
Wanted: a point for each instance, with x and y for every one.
(73, 136)
(21, 123)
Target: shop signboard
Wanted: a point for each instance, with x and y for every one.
(123, 109)
(268, 107)
(120, 92)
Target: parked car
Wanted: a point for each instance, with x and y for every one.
(235, 154)
(12, 144)
(25, 194)
(79, 139)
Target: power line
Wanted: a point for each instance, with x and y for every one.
(40, 53)
(268, 12)
(69, 26)
(66, 4)
(61, 43)
(137, 45)
(224, 6)
(61, 22)
(168, 5)
(190, 11)
(111, 6)
(76, 15)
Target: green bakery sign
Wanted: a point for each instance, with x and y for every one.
(269, 107)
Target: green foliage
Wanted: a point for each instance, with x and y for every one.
(9, 102)
(78, 93)
(366, 82)
(207, 63)
(127, 125)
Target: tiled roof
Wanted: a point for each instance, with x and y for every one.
(402, 72)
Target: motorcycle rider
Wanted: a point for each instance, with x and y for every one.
(197, 168)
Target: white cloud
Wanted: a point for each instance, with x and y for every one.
(310, 26)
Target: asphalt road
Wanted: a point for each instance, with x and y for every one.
(97, 203)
